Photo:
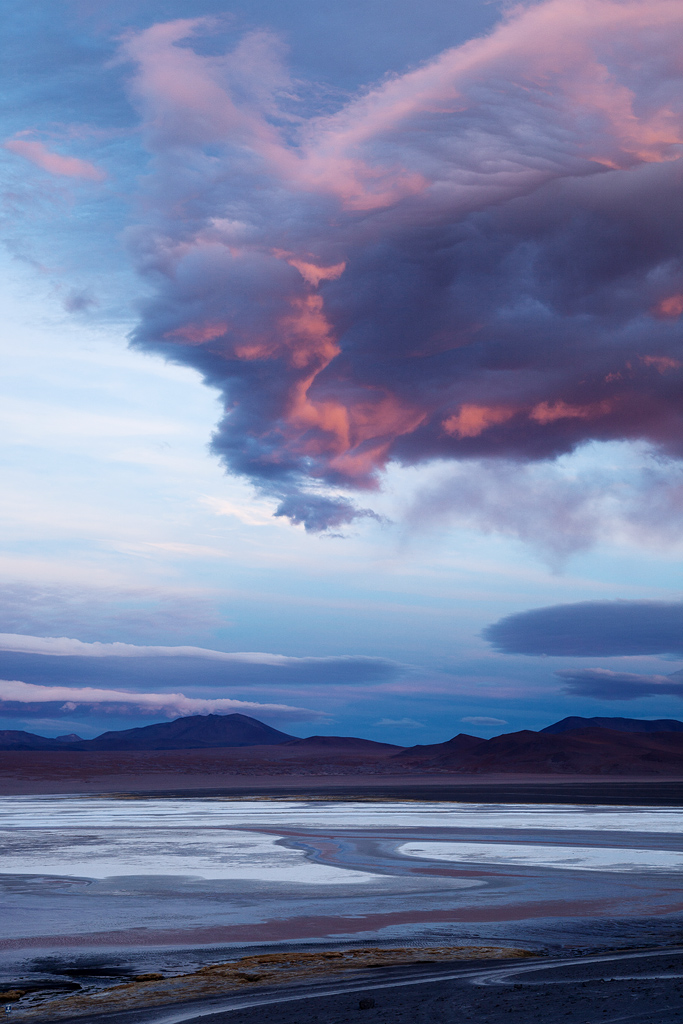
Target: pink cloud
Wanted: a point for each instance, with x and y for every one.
(451, 266)
(54, 163)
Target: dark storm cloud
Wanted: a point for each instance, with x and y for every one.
(478, 259)
(603, 684)
(592, 629)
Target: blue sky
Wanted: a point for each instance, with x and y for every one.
(124, 523)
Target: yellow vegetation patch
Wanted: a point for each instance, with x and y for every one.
(262, 970)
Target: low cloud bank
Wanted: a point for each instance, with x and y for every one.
(28, 700)
(67, 647)
(64, 661)
(603, 684)
(592, 629)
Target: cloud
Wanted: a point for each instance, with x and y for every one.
(592, 629)
(400, 722)
(317, 512)
(483, 720)
(603, 684)
(79, 301)
(562, 508)
(67, 647)
(16, 695)
(70, 662)
(107, 612)
(252, 514)
(478, 259)
(54, 163)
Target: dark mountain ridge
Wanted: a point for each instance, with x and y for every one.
(195, 732)
(16, 739)
(581, 751)
(192, 733)
(458, 746)
(562, 748)
(341, 743)
(619, 724)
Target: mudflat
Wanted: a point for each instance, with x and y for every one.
(243, 773)
(137, 909)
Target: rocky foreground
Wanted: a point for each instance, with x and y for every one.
(268, 969)
(395, 986)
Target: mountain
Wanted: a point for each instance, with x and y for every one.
(425, 753)
(593, 751)
(341, 743)
(562, 748)
(192, 733)
(620, 724)
(15, 739)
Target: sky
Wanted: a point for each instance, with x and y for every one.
(343, 364)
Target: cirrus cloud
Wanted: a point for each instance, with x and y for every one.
(401, 722)
(54, 163)
(62, 647)
(484, 720)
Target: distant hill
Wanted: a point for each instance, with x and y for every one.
(457, 747)
(191, 733)
(581, 751)
(15, 739)
(620, 724)
(341, 743)
(566, 747)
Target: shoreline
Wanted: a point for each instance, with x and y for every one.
(518, 788)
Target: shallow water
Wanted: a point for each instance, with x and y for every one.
(165, 884)
(574, 858)
(64, 811)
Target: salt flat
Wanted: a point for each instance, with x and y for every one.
(102, 884)
(573, 858)
(62, 811)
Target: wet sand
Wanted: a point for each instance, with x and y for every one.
(321, 926)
